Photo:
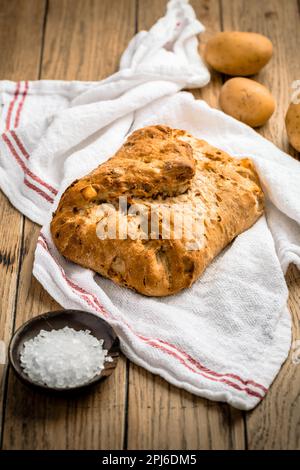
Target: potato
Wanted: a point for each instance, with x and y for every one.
(247, 100)
(238, 53)
(292, 124)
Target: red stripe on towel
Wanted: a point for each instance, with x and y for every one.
(26, 155)
(216, 374)
(11, 106)
(38, 190)
(19, 144)
(21, 104)
(27, 171)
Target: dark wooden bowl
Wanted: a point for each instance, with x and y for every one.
(76, 319)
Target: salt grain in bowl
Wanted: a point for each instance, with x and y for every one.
(63, 358)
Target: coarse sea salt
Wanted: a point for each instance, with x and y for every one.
(63, 358)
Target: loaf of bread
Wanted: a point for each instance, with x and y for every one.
(163, 175)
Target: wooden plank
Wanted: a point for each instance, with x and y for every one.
(83, 41)
(85, 38)
(21, 30)
(274, 424)
(161, 416)
(21, 25)
(210, 14)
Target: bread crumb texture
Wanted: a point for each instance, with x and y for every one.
(158, 169)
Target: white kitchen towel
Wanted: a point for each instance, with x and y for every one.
(226, 337)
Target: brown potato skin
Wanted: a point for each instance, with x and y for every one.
(292, 124)
(238, 53)
(247, 100)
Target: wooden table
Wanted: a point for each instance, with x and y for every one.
(83, 40)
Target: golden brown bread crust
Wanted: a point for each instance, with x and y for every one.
(158, 165)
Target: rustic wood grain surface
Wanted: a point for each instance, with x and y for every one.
(83, 40)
